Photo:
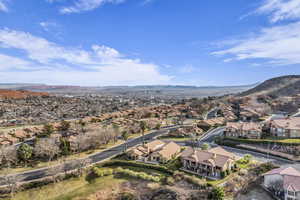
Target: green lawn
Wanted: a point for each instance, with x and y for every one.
(179, 139)
(282, 141)
(69, 189)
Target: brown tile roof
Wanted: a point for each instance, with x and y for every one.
(291, 182)
(244, 126)
(154, 145)
(221, 151)
(288, 123)
(291, 177)
(214, 157)
(169, 150)
(284, 171)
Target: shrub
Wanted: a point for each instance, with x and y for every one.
(263, 168)
(191, 179)
(170, 181)
(139, 175)
(102, 172)
(136, 164)
(217, 193)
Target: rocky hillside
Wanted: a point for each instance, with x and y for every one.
(276, 87)
(19, 94)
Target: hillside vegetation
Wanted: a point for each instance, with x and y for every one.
(277, 87)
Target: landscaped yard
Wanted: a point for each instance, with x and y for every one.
(179, 139)
(69, 189)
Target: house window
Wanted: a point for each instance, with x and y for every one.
(291, 193)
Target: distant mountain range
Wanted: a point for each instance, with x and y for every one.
(276, 87)
(155, 90)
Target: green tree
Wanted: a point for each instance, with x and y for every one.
(143, 127)
(217, 193)
(247, 158)
(158, 126)
(25, 152)
(47, 130)
(125, 136)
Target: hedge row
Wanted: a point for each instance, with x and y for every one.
(139, 175)
(120, 163)
(102, 172)
(233, 144)
(260, 141)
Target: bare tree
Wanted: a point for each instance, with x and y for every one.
(47, 148)
(8, 156)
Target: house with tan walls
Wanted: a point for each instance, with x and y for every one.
(156, 151)
(207, 163)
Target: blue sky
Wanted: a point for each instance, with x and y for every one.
(141, 42)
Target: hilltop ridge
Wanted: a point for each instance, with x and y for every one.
(276, 87)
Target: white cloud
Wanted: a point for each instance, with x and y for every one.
(40, 49)
(3, 6)
(280, 9)
(11, 63)
(87, 5)
(279, 44)
(51, 63)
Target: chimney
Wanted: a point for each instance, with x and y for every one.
(215, 156)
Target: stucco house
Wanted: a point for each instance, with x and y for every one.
(243, 129)
(208, 163)
(284, 182)
(287, 127)
(156, 151)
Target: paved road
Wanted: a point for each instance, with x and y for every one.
(210, 136)
(212, 113)
(75, 164)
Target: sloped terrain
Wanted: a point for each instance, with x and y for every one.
(277, 87)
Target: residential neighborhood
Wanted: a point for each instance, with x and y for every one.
(149, 100)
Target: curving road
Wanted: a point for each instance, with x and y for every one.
(101, 156)
(92, 159)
